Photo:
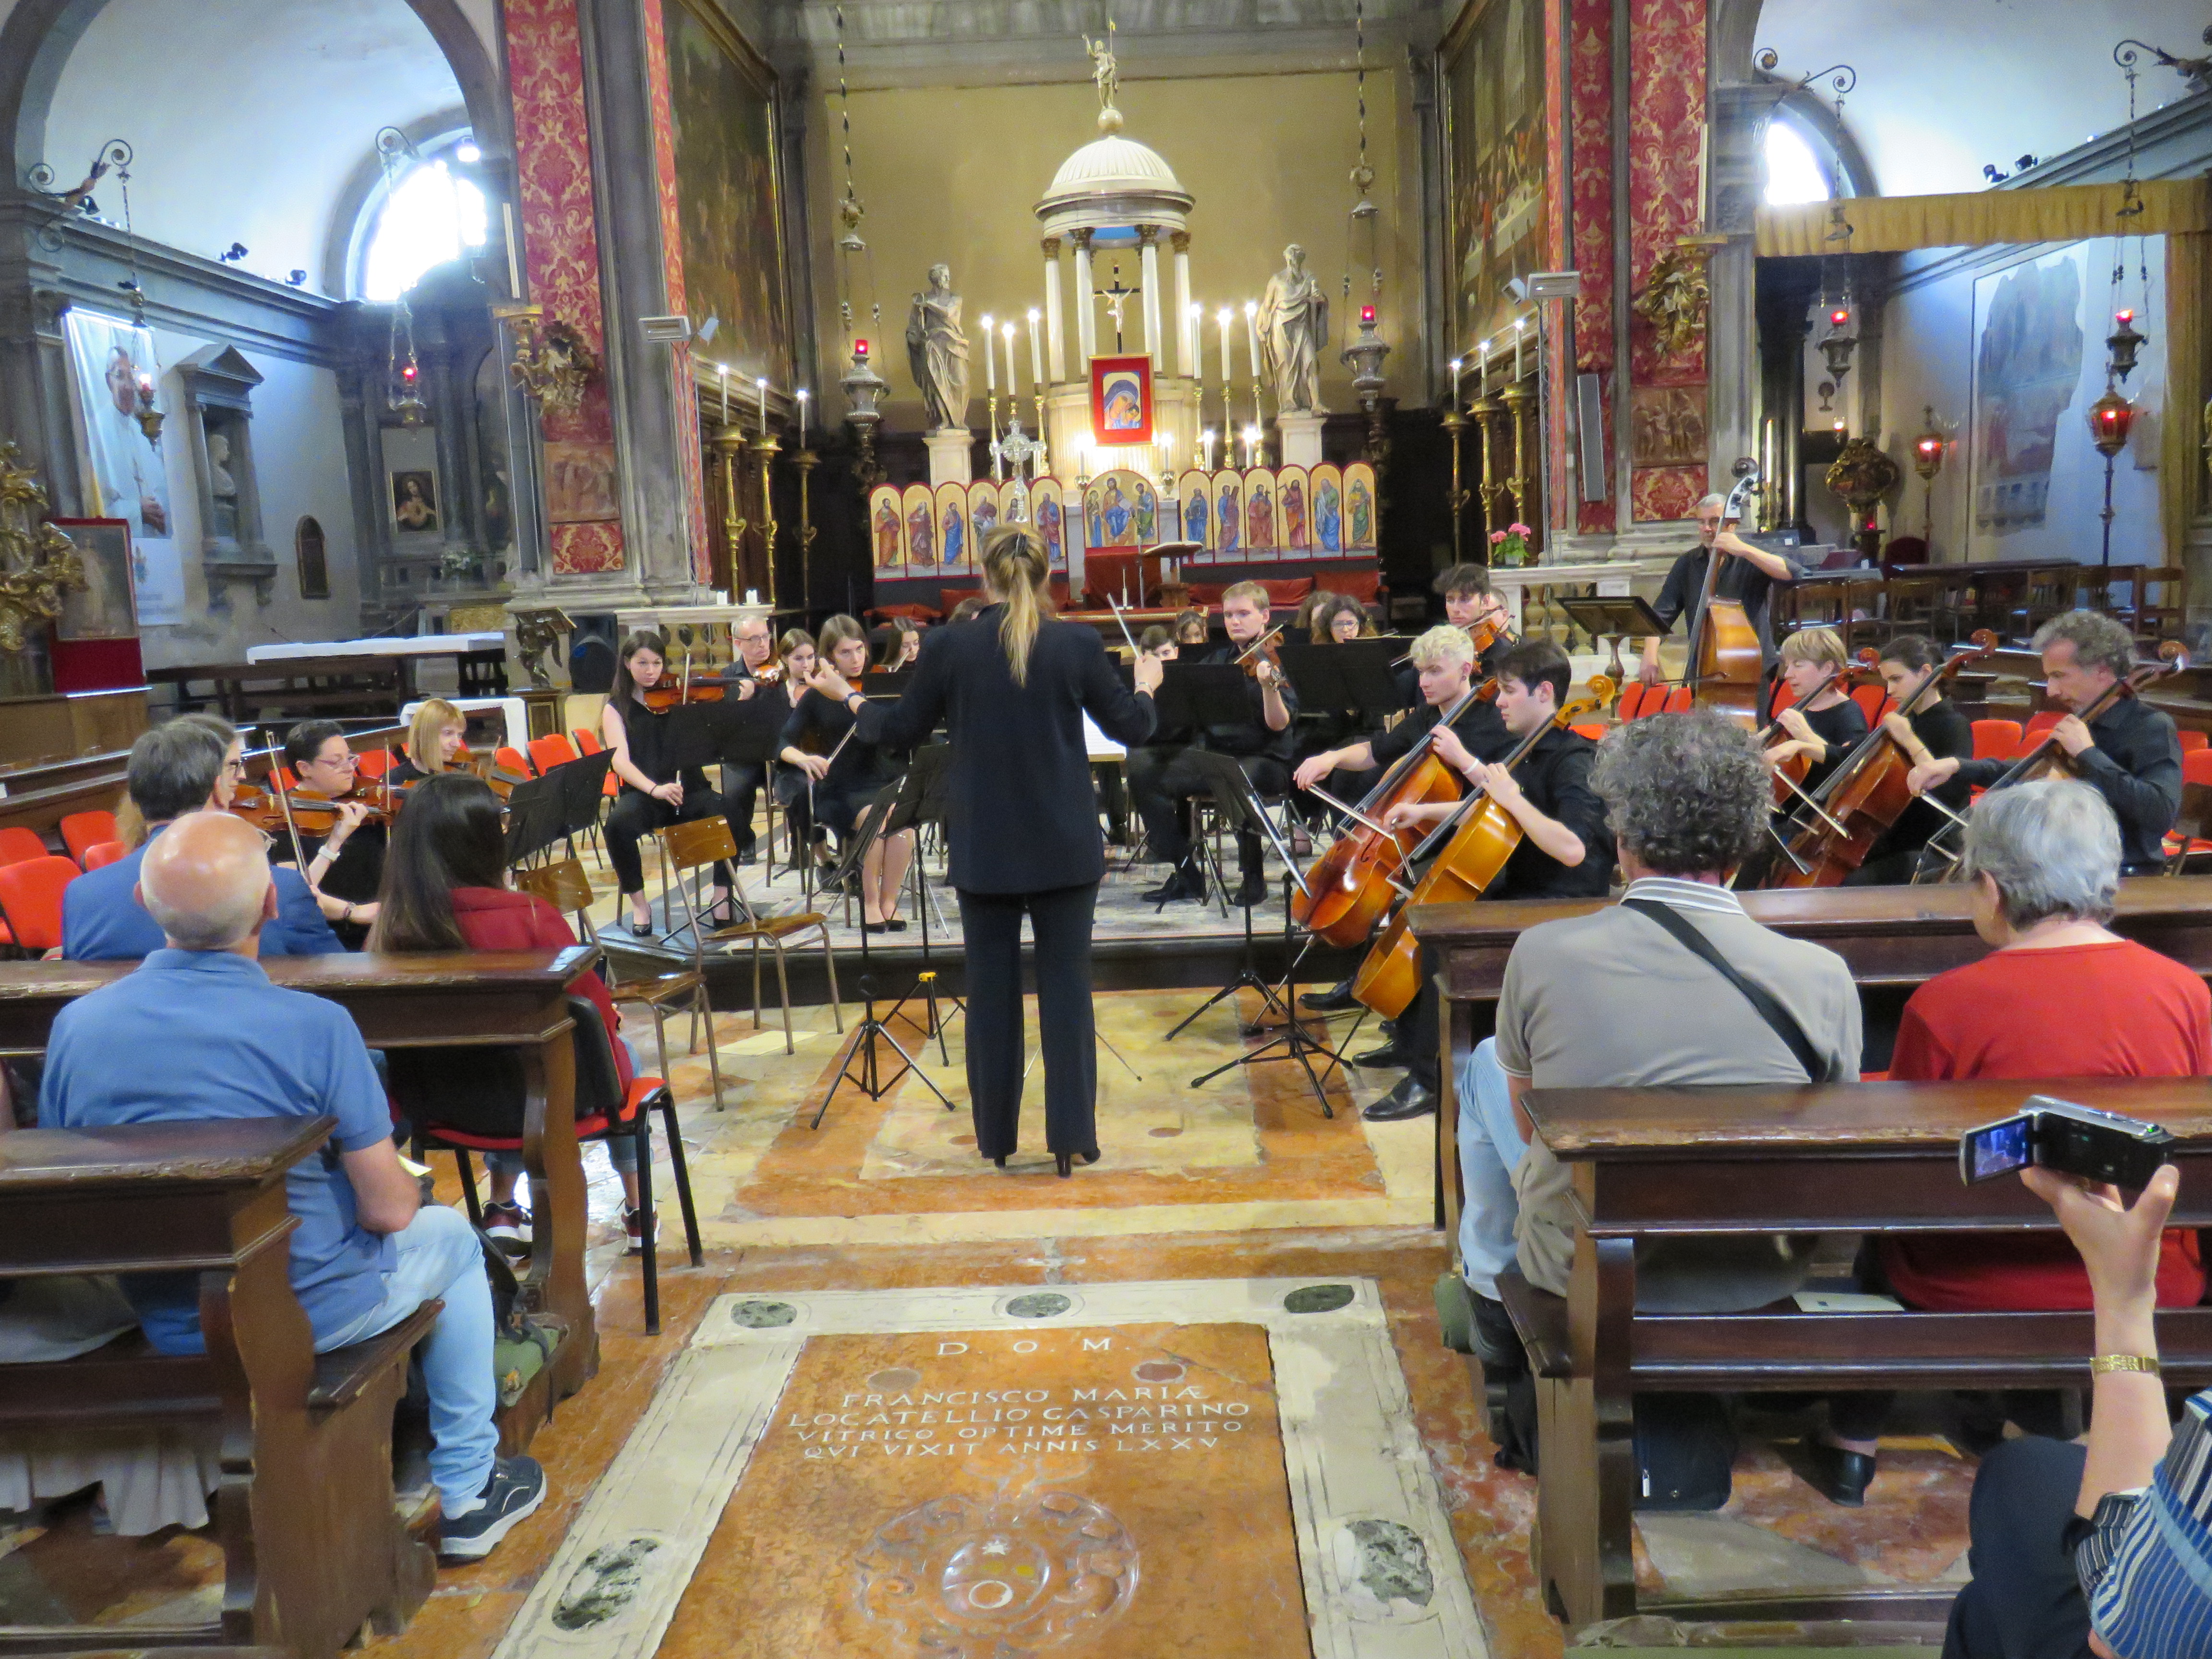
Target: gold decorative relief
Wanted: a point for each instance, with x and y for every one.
(38, 563)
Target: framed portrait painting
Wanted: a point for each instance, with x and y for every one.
(1120, 400)
(414, 501)
(102, 608)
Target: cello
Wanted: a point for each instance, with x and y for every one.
(1476, 841)
(1725, 668)
(1858, 803)
(1351, 886)
(2046, 759)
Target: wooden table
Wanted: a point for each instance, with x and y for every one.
(1855, 1157)
(503, 998)
(1892, 938)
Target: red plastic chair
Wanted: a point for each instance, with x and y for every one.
(374, 763)
(1594, 734)
(1678, 702)
(2196, 766)
(1995, 739)
(17, 843)
(31, 900)
(588, 741)
(100, 854)
(2192, 740)
(83, 829)
(1873, 702)
(546, 753)
(509, 759)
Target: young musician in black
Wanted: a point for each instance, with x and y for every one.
(754, 669)
(1825, 723)
(1929, 727)
(1566, 851)
(848, 772)
(1470, 600)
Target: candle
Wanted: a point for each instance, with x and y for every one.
(723, 370)
(1252, 335)
(1517, 352)
(1014, 385)
(761, 387)
(990, 362)
(513, 268)
(1222, 317)
(803, 394)
(1036, 357)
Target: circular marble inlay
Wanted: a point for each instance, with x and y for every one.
(1317, 1299)
(763, 1316)
(1039, 1305)
(897, 1380)
(1166, 1132)
(1161, 1370)
(973, 1578)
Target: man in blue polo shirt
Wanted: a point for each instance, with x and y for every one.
(198, 1031)
(191, 762)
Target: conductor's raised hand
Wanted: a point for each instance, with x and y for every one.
(829, 683)
(1147, 672)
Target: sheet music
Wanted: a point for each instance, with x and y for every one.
(1096, 744)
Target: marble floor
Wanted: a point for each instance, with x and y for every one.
(1243, 1180)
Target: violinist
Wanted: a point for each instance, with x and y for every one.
(1470, 602)
(1929, 726)
(848, 774)
(1823, 723)
(345, 864)
(1566, 851)
(1191, 626)
(795, 651)
(900, 645)
(1337, 619)
(433, 741)
(754, 671)
(2129, 753)
(1748, 578)
(654, 792)
(1164, 784)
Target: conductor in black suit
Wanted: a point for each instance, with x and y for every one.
(1012, 687)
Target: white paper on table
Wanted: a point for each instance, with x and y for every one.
(1845, 1302)
(1096, 744)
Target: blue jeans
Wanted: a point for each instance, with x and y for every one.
(441, 1257)
(1489, 1149)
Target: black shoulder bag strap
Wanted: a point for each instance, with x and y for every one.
(1784, 1024)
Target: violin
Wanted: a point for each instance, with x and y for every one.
(2047, 759)
(1476, 841)
(1351, 886)
(662, 697)
(1261, 650)
(1481, 634)
(1726, 668)
(501, 781)
(316, 814)
(1858, 803)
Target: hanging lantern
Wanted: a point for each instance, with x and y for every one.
(2123, 343)
(2111, 418)
(1928, 447)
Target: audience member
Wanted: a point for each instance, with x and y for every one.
(366, 1253)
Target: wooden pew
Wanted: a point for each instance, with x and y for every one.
(313, 1546)
(1648, 1163)
(1892, 938)
(507, 999)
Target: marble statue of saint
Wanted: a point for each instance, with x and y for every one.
(1293, 331)
(937, 351)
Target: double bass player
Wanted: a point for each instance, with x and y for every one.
(1748, 578)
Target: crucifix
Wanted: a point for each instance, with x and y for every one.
(1116, 297)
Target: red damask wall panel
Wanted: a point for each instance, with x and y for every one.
(1589, 82)
(685, 388)
(1666, 124)
(561, 241)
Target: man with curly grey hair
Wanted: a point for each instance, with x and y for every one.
(1617, 1000)
(2129, 753)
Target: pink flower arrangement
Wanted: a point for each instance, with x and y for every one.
(1510, 544)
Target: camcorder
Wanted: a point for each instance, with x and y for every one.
(2076, 1140)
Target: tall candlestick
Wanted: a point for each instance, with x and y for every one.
(761, 387)
(1014, 385)
(1036, 355)
(990, 362)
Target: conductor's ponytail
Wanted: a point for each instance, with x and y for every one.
(1015, 567)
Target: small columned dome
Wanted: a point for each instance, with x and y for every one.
(1114, 181)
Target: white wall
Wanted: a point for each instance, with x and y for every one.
(1929, 348)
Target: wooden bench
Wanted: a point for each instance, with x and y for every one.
(313, 1545)
(509, 999)
(1649, 1163)
(1892, 939)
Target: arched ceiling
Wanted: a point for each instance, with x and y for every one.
(1945, 89)
(250, 118)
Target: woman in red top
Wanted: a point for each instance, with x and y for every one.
(444, 889)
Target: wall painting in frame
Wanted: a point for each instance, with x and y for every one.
(1492, 95)
(1120, 400)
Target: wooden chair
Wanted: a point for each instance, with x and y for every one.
(82, 829)
(2048, 593)
(563, 884)
(686, 848)
(1914, 605)
(2159, 610)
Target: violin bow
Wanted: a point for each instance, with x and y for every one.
(284, 803)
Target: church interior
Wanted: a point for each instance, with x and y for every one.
(542, 409)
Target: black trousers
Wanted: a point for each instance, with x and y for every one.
(741, 784)
(636, 815)
(990, 924)
(1420, 1034)
(1163, 781)
(2024, 1602)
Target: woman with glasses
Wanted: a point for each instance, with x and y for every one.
(345, 864)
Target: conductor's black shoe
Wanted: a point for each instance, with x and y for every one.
(1411, 1098)
(1838, 1475)
(1250, 891)
(1389, 1058)
(1334, 999)
(1178, 885)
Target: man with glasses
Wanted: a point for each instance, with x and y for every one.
(741, 781)
(1748, 578)
(196, 761)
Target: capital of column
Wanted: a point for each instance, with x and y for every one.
(1051, 246)
(1147, 234)
(1082, 241)
(1179, 240)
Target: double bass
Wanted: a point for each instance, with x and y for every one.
(1476, 841)
(1860, 801)
(1725, 668)
(2046, 759)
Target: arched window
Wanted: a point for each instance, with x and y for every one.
(1795, 169)
(431, 214)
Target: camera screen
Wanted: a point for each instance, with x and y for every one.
(2000, 1147)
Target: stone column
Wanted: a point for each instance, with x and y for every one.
(1740, 115)
(1187, 355)
(1055, 347)
(1086, 341)
(1148, 239)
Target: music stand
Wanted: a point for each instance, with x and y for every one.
(920, 799)
(750, 733)
(1355, 676)
(583, 786)
(1617, 616)
(1195, 696)
(1240, 809)
(535, 817)
(867, 828)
